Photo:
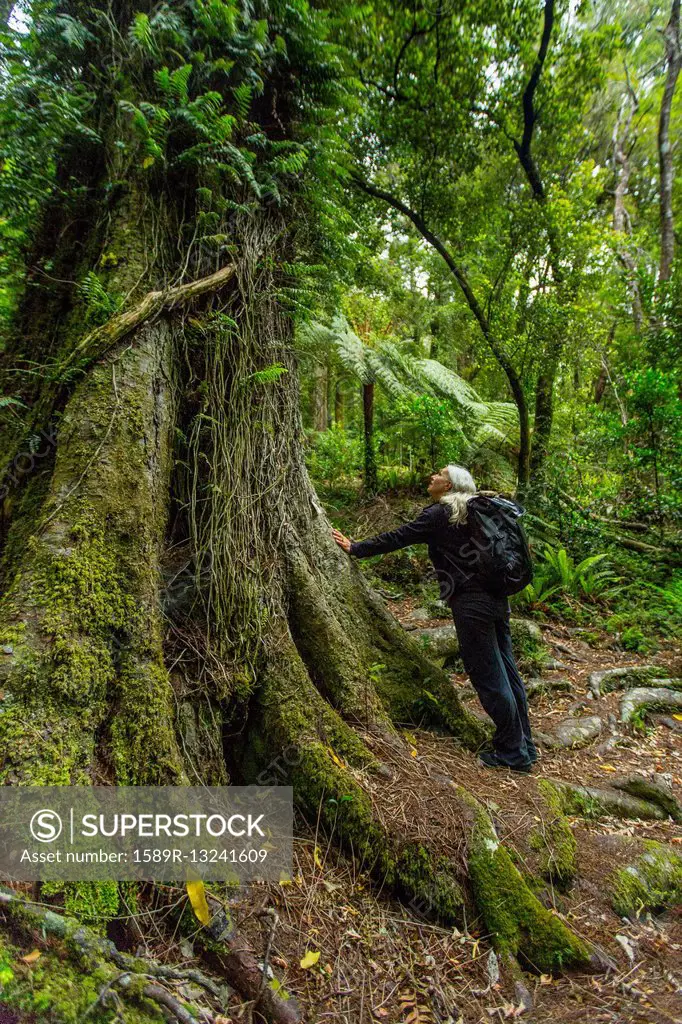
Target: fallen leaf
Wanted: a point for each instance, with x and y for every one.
(31, 957)
(678, 718)
(197, 897)
(608, 768)
(335, 758)
(310, 959)
(316, 857)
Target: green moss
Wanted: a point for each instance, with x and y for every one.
(93, 903)
(653, 882)
(54, 990)
(62, 678)
(419, 693)
(577, 801)
(555, 840)
(89, 661)
(518, 922)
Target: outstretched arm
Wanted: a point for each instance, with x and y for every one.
(415, 532)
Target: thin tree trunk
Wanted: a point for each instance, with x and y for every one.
(544, 414)
(371, 484)
(673, 56)
(338, 404)
(621, 220)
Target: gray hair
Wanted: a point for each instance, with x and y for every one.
(463, 488)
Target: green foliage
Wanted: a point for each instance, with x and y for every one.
(633, 639)
(558, 574)
(334, 453)
(268, 375)
(100, 306)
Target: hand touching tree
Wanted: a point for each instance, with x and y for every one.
(343, 542)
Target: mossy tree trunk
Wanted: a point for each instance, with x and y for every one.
(168, 577)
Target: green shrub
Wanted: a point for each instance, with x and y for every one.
(334, 453)
(633, 639)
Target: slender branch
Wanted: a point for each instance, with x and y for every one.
(434, 241)
(523, 148)
(414, 34)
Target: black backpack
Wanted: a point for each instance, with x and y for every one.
(500, 555)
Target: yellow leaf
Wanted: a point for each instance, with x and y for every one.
(197, 897)
(31, 957)
(316, 857)
(335, 758)
(678, 718)
(310, 959)
(413, 752)
(608, 768)
(147, 162)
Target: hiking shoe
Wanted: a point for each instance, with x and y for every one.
(489, 759)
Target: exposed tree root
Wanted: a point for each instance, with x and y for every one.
(629, 677)
(519, 924)
(637, 702)
(655, 792)
(555, 840)
(591, 802)
(318, 740)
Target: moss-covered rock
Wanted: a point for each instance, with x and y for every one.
(653, 882)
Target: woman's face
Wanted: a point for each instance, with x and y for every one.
(440, 483)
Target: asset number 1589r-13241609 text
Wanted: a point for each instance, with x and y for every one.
(201, 856)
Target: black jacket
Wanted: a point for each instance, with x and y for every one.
(450, 548)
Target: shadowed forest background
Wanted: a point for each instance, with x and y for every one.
(265, 267)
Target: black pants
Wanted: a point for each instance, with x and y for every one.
(482, 623)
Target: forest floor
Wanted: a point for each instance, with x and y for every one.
(382, 961)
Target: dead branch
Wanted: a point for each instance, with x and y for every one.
(102, 339)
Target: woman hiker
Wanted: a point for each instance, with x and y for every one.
(481, 619)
